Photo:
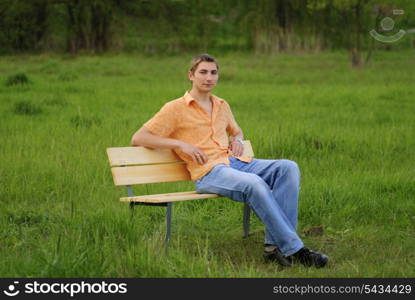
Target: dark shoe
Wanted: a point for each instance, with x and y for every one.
(272, 253)
(310, 258)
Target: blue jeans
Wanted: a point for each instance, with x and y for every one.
(271, 189)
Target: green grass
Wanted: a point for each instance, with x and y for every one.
(350, 130)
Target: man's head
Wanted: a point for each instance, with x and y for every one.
(204, 72)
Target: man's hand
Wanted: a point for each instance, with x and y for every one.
(237, 148)
(194, 152)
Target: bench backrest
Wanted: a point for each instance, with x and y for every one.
(139, 165)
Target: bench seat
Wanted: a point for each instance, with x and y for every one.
(169, 197)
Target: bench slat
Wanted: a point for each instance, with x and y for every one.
(139, 165)
(170, 197)
(150, 174)
(126, 156)
(248, 151)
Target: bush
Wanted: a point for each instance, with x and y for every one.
(79, 121)
(27, 108)
(17, 79)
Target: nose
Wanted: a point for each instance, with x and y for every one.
(210, 77)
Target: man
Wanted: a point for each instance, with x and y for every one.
(196, 127)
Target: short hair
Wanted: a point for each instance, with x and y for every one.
(200, 58)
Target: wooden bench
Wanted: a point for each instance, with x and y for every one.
(140, 165)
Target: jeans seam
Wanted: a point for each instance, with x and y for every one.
(228, 189)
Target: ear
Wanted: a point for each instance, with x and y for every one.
(190, 75)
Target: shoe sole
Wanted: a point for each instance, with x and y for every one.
(276, 256)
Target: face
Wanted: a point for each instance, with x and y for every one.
(205, 76)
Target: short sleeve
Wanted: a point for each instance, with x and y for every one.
(164, 122)
(232, 127)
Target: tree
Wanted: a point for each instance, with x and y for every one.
(23, 24)
(89, 25)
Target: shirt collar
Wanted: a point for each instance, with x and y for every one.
(189, 98)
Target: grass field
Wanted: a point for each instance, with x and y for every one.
(350, 130)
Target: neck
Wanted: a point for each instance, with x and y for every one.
(200, 96)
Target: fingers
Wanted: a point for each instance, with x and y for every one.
(199, 157)
(205, 158)
(196, 154)
(237, 148)
(239, 151)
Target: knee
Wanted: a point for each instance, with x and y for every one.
(290, 168)
(252, 182)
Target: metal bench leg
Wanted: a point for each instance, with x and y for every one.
(130, 194)
(168, 221)
(247, 211)
(129, 191)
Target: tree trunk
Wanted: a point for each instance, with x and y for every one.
(372, 40)
(356, 50)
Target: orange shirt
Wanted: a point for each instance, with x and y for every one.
(183, 119)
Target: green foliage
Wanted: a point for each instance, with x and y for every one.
(89, 25)
(171, 26)
(17, 79)
(58, 101)
(24, 24)
(27, 108)
(79, 122)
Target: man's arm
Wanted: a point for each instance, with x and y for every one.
(144, 137)
(237, 136)
(236, 144)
